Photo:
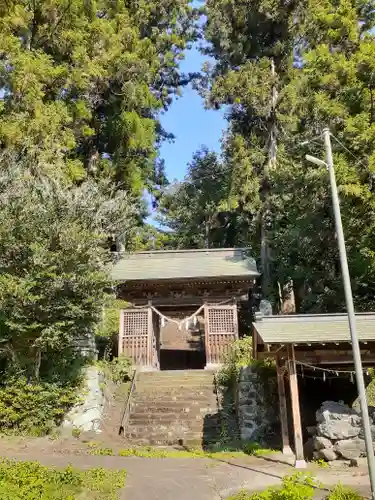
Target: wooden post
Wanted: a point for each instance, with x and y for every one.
(121, 334)
(283, 407)
(206, 336)
(297, 426)
(150, 331)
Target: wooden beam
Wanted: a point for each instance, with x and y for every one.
(280, 367)
(300, 462)
(330, 358)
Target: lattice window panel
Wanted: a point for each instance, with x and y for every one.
(221, 321)
(135, 323)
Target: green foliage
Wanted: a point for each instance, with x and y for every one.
(297, 487)
(76, 432)
(344, 493)
(53, 262)
(216, 452)
(83, 86)
(324, 76)
(31, 481)
(109, 324)
(118, 370)
(239, 355)
(101, 451)
(193, 211)
(33, 408)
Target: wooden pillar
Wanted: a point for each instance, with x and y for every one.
(280, 365)
(297, 426)
(121, 334)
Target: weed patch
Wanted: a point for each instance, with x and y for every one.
(298, 487)
(32, 481)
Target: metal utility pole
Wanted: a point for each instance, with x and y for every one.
(271, 163)
(351, 314)
(349, 305)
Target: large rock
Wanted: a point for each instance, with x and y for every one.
(327, 454)
(351, 448)
(337, 421)
(362, 434)
(321, 442)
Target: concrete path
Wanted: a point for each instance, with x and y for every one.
(196, 479)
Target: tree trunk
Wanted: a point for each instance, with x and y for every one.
(37, 363)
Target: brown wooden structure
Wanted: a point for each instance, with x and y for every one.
(321, 341)
(204, 284)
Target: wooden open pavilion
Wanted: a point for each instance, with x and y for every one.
(181, 301)
(318, 340)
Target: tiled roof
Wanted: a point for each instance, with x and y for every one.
(185, 264)
(313, 328)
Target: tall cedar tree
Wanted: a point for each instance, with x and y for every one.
(82, 84)
(325, 74)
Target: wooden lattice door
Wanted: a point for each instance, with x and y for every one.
(221, 328)
(136, 336)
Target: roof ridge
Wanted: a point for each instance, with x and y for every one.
(183, 251)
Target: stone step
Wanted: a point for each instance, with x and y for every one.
(189, 441)
(176, 373)
(190, 407)
(160, 433)
(144, 418)
(166, 389)
(184, 384)
(174, 398)
(171, 406)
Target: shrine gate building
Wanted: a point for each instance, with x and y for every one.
(183, 305)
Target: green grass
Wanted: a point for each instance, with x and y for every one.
(218, 452)
(32, 481)
(298, 487)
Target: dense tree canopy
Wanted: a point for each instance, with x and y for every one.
(324, 75)
(83, 84)
(53, 261)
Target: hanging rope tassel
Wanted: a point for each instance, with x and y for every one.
(351, 378)
(324, 376)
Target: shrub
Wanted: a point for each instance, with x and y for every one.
(33, 408)
(240, 354)
(118, 369)
(31, 481)
(54, 261)
(344, 493)
(297, 487)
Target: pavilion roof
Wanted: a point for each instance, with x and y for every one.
(229, 263)
(313, 328)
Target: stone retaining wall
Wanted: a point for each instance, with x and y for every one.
(257, 404)
(87, 415)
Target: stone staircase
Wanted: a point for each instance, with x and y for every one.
(173, 407)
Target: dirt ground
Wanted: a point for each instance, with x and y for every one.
(170, 478)
(177, 478)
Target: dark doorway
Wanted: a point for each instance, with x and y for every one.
(171, 359)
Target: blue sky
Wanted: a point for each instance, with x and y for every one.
(192, 125)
